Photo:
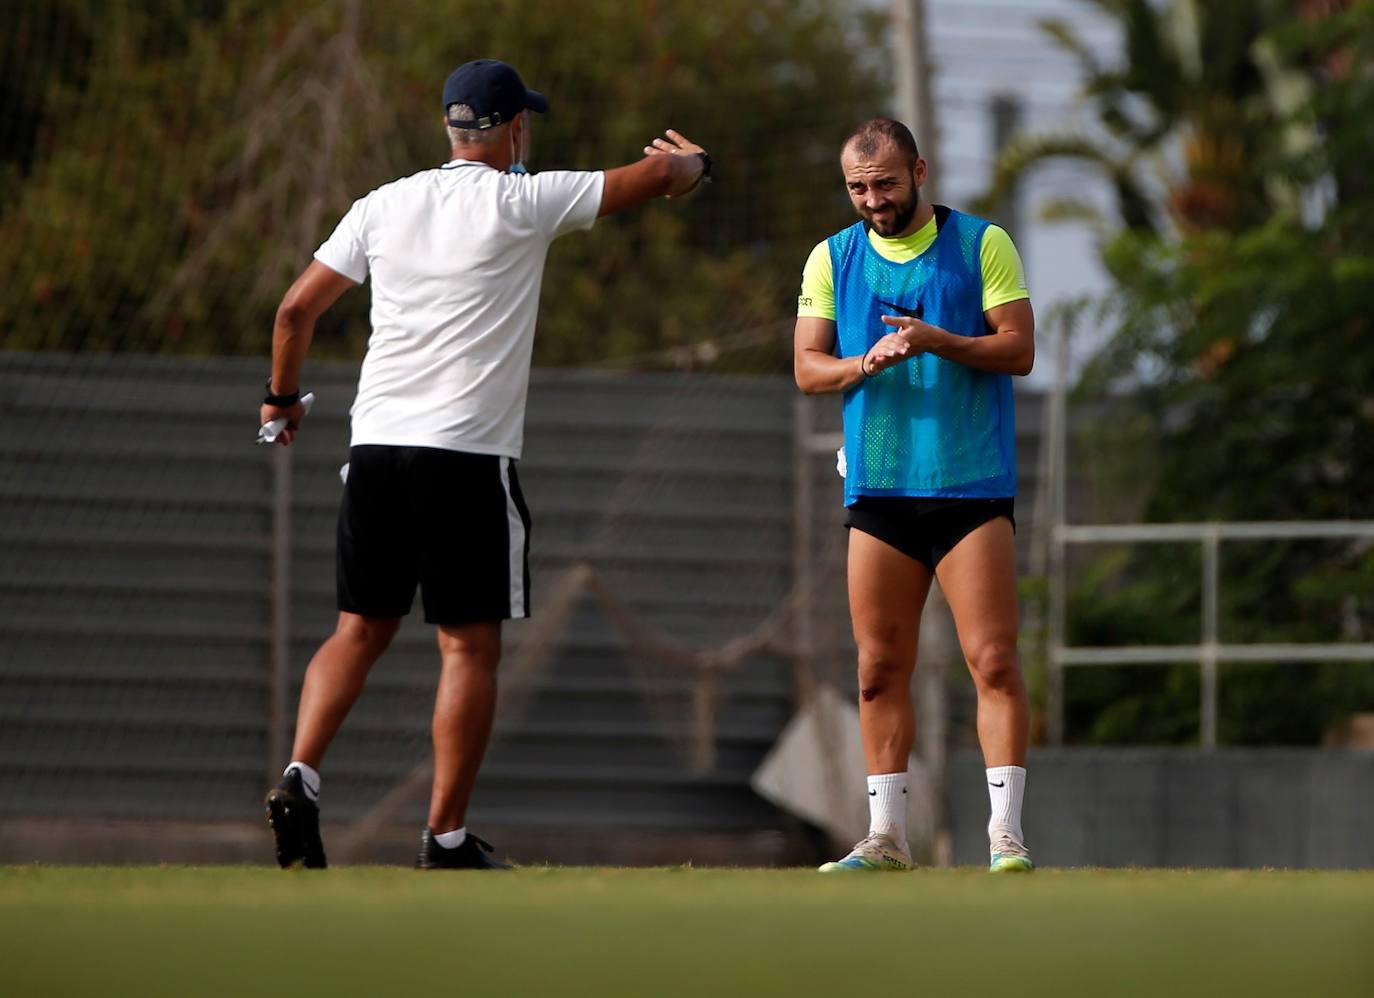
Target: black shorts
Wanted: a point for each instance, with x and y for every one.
(925, 529)
(452, 522)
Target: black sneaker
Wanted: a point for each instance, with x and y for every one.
(470, 855)
(295, 821)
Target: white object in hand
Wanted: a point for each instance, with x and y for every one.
(269, 431)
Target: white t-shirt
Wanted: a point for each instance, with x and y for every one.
(456, 256)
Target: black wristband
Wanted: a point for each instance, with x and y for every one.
(705, 167)
(281, 401)
(704, 177)
(863, 364)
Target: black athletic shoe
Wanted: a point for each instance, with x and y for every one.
(471, 855)
(295, 821)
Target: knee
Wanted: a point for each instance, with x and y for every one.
(883, 668)
(994, 666)
(373, 633)
(470, 647)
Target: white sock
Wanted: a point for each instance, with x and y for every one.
(453, 839)
(1006, 787)
(887, 806)
(309, 779)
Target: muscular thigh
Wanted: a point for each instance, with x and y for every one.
(978, 579)
(887, 590)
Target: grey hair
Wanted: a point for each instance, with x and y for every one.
(469, 136)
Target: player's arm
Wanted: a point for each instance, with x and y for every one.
(671, 167)
(305, 301)
(818, 371)
(1009, 345)
(814, 363)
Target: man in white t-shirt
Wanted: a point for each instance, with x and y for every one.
(431, 498)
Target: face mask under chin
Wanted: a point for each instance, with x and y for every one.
(517, 157)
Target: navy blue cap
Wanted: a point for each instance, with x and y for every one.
(493, 90)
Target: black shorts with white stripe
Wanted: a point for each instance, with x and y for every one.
(451, 522)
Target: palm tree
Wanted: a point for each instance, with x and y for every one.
(1186, 116)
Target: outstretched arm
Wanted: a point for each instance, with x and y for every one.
(671, 167)
(305, 301)
(1008, 349)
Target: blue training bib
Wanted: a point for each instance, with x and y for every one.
(928, 427)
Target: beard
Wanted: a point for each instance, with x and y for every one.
(902, 214)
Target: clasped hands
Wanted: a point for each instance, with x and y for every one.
(911, 337)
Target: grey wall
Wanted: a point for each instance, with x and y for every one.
(135, 518)
(1179, 807)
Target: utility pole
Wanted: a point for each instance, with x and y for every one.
(1006, 123)
(914, 102)
(914, 105)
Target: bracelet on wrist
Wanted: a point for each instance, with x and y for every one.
(705, 158)
(281, 401)
(704, 177)
(863, 366)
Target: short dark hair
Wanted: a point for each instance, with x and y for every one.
(869, 138)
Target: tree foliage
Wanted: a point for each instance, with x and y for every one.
(1183, 120)
(1241, 358)
(171, 185)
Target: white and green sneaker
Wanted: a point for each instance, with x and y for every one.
(875, 853)
(1009, 856)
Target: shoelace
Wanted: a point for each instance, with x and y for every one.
(871, 839)
(1007, 846)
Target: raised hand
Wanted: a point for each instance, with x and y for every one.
(677, 144)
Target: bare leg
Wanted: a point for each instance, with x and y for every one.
(886, 592)
(978, 578)
(334, 679)
(464, 708)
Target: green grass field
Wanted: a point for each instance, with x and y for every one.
(565, 931)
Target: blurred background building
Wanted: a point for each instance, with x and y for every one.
(1186, 182)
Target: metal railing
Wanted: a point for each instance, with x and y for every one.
(1209, 652)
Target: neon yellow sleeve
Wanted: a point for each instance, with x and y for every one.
(1003, 278)
(817, 298)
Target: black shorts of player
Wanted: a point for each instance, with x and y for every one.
(925, 529)
(453, 523)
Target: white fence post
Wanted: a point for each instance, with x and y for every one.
(1211, 542)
